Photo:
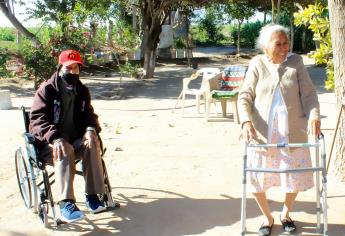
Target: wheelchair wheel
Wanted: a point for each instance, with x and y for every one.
(23, 178)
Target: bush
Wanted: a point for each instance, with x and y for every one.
(129, 69)
(179, 43)
(209, 28)
(7, 34)
(4, 56)
(40, 63)
(249, 33)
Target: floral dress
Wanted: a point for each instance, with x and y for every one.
(279, 158)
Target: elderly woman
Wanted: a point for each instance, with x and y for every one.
(275, 103)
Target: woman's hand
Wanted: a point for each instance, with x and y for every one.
(315, 127)
(248, 131)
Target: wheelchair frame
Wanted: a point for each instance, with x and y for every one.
(321, 191)
(37, 195)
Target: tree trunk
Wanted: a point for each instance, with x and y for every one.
(4, 9)
(273, 10)
(238, 38)
(292, 33)
(265, 15)
(304, 34)
(337, 22)
(109, 33)
(152, 21)
(149, 62)
(278, 12)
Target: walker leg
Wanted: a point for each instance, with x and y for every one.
(318, 189)
(244, 199)
(243, 211)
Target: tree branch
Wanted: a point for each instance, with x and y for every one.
(4, 9)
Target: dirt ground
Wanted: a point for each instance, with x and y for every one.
(173, 175)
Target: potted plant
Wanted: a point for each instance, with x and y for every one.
(179, 45)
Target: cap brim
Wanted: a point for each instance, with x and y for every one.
(68, 63)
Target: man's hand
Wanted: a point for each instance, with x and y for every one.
(248, 132)
(90, 140)
(60, 149)
(315, 127)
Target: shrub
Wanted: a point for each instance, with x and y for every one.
(4, 56)
(40, 63)
(7, 34)
(129, 69)
(179, 43)
(249, 33)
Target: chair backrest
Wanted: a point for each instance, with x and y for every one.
(208, 72)
(26, 119)
(232, 77)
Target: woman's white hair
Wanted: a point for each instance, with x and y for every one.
(266, 33)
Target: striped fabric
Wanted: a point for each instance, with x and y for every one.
(230, 81)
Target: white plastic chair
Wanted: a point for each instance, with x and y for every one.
(206, 73)
(225, 87)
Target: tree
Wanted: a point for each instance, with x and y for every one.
(210, 23)
(337, 19)
(240, 11)
(5, 9)
(59, 12)
(153, 14)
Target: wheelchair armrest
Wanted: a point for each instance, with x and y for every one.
(29, 138)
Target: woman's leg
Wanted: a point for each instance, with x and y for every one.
(264, 207)
(289, 200)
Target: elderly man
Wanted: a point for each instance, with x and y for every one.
(65, 127)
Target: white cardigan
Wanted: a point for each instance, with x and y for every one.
(297, 91)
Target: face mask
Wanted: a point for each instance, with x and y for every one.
(71, 79)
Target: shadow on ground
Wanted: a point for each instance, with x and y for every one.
(180, 215)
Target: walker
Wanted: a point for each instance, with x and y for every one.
(321, 193)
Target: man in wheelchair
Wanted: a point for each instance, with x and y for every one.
(66, 128)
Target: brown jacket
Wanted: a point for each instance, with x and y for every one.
(47, 111)
(298, 92)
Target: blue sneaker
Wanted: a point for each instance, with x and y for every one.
(94, 204)
(70, 212)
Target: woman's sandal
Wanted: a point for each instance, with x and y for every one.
(266, 230)
(288, 225)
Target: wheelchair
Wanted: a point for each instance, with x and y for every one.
(35, 182)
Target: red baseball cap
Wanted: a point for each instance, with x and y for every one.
(69, 57)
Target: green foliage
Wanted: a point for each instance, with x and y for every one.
(40, 63)
(129, 69)
(7, 34)
(239, 10)
(249, 33)
(209, 27)
(124, 36)
(315, 17)
(179, 43)
(4, 56)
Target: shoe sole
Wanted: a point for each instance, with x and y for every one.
(64, 220)
(98, 210)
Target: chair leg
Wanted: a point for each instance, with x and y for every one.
(205, 103)
(183, 102)
(223, 103)
(177, 100)
(197, 98)
(208, 102)
(235, 112)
